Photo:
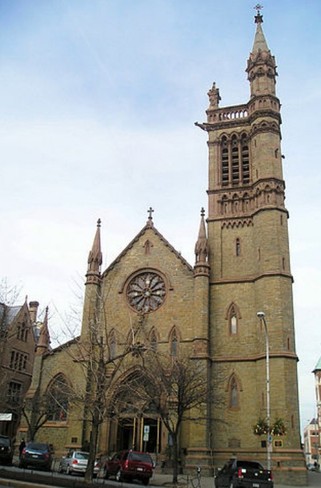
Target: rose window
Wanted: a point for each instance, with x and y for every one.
(146, 292)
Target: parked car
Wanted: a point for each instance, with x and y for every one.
(75, 462)
(36, 455)
(129, 465)
(240, 474)
(6, 451)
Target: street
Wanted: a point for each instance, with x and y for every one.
(41, 479)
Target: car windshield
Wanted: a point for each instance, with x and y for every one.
(81, 455)
(4, 441)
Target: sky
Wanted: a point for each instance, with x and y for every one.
(98, 102)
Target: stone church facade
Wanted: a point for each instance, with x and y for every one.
(207, 311)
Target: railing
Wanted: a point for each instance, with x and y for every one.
(227, 113)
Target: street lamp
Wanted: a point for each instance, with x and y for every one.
(261, 316)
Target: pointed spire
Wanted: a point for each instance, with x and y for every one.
(201, 246)
(44, 337)
(259, 39)
(261, 66)
(95, 257)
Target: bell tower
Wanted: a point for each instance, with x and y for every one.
(250, 271)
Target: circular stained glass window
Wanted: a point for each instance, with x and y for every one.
(146, 292)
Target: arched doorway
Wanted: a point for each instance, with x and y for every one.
(134, 422)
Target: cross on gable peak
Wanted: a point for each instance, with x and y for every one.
(150, 212)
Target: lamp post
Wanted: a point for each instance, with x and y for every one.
(261, 316)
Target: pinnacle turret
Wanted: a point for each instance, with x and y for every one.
(201, 249)
(201, 246)
(44, 337)
(261, 66)
(95, 258)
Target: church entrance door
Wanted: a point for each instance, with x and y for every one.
(141, 433)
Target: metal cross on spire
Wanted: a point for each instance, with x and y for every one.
(259, 17)
(258, 8)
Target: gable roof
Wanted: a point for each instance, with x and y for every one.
(148, 226)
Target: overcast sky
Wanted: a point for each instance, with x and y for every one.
(98, 102)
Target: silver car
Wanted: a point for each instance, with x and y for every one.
(76, 463)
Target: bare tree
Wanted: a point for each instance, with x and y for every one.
(38, 408)
(9, 294)
(176, 388)
(98, 366)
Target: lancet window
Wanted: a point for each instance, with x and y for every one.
(112, 344)
(233, 316)
(233, 393)
(153, 340)
(174, 343)
(57, 399)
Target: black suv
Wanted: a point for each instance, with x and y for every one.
(6, 451)
(129, 465)
(36, 455)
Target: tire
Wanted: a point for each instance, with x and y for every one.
(145, 481)
(119, 476)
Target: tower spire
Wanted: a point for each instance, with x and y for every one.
(261, 66)
(95, 258)
(259, 39)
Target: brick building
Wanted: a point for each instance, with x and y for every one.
(18, 335)
(207, 311)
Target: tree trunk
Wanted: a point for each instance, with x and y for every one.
(92, 451)
(175, 457)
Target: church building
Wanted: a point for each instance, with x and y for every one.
(223, 310)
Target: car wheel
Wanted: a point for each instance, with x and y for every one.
(145, 481)
(119, 475)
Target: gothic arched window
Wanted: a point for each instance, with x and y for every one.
(174, 343)
(245, 159)
(224, 161)
(233, 392)
(233, 316)
(112, 344)
(235, 161)
(58, 398)
(153, 340)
